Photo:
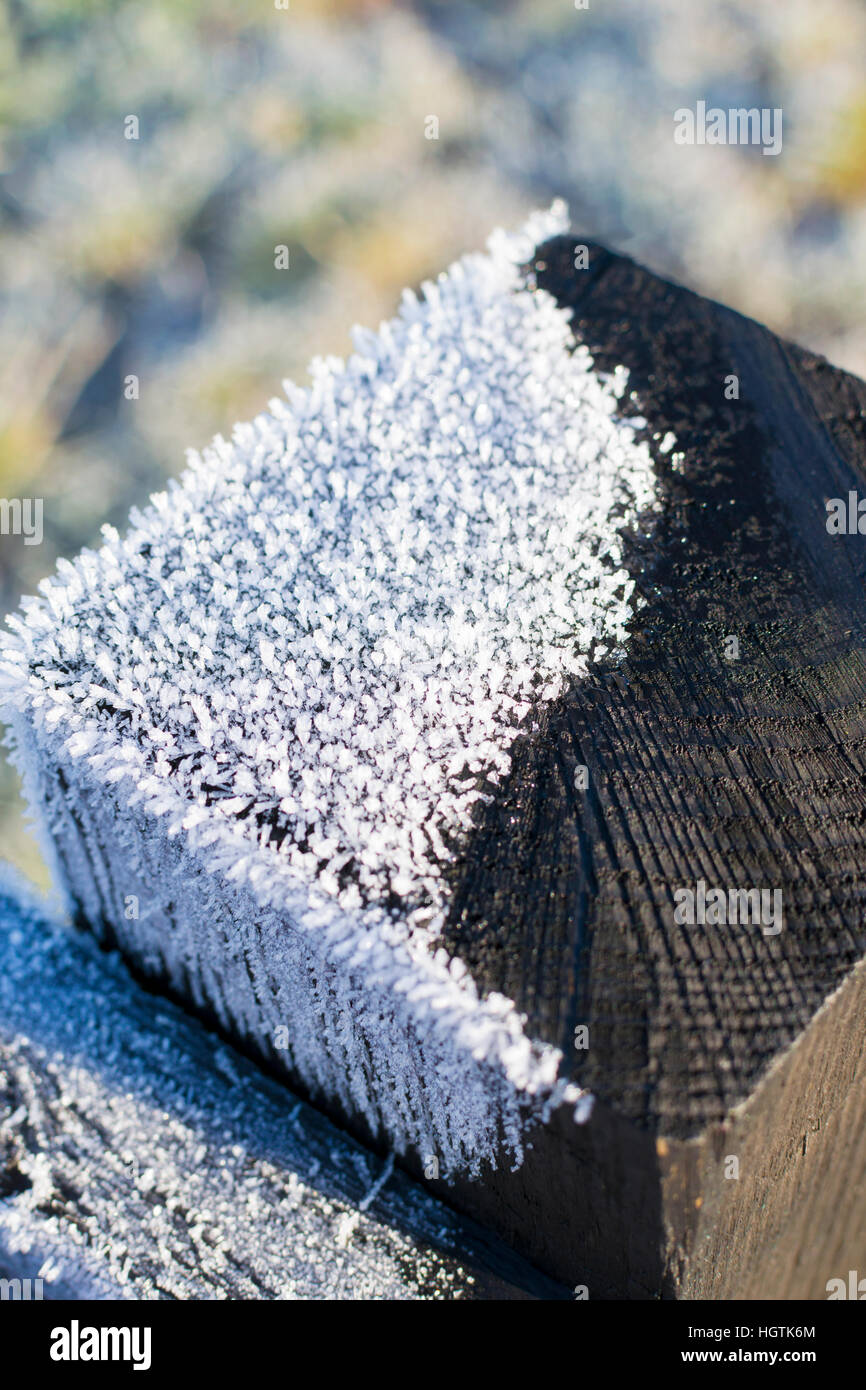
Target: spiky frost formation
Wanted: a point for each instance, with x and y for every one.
(328, 635)
(125, 1116)
(314, 653)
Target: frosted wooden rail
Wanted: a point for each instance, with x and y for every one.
(142, 1158)
(393, 739)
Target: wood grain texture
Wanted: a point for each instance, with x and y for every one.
(795, 1217)
(140, 1157)
(744, 772)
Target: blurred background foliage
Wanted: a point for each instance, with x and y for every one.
(261, 127)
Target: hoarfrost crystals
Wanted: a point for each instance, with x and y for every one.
(335, 628)
(312, 657)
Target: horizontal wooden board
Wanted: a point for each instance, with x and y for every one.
(142, 1158)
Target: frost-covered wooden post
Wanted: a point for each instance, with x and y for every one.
(259, 725)
(402, 736)
(142, 1158)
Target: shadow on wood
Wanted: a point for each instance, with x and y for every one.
(743, 773)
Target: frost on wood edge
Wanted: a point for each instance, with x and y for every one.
(310, 658)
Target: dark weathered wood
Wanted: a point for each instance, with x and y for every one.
(796, 1218)
(744, 772)
(140, 1157)
(704, 1043)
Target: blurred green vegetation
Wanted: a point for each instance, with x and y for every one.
(304, 128)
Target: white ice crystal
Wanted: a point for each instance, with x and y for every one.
(313, 655)
(148, 1175)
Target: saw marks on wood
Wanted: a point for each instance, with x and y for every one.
(745, 772)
